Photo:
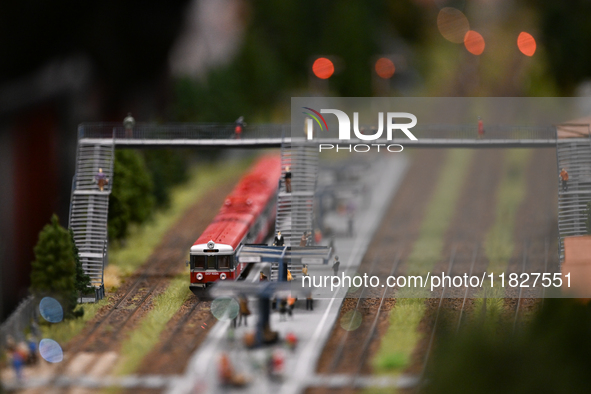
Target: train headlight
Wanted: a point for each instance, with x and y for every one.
(199, 276)
(223, 276)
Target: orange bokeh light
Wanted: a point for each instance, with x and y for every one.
(526, 44)
(474, 42)
(323, 68)
(385, 68)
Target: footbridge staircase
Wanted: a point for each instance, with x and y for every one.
(89, 207)
(573, 153)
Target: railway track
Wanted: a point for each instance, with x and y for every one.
(118, 316)
(341, 347)
(452, 259)
(372, 331)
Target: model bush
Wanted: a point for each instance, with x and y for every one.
(167, 168)
(54, 269)
(83, 285)
(131, 199)
(549, 355)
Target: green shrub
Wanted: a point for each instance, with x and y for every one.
(550, 355)
(54, 269)
(82, 280)
(131, 199)
(167, 168)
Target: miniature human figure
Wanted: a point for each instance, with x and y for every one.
(275, 365)
(480, 128)
(291, 340)
(239, 127)
(331, 246)
(282, 309)
(227, 375)
(317, 236)
(309, 302)
(101, 179)
(243, 310)
(129, 123)
(16, 358)
(32, 348)
(262, 277)
(564, 177)
(287, 178)
(350, 224)
(305, 270)
(289, 276)
(335, 266)
(279, 240)
(290, 305)
(304, 239)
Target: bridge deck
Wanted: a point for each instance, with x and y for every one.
(276, 142)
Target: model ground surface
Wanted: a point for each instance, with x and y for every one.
(477, 209)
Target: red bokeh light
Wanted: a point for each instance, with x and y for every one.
(385, 68)
(526, 44)
(323, 68)
(474, 42)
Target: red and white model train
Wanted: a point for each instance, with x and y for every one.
(247, 216)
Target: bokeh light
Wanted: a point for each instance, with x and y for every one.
(323, 68)
(474, 42)
(385, 68)
(351, 321)
(51, 310)
(452, 24)
(51, 351)
(224, 308)
(526, 44)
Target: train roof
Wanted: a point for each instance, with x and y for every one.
(244, 204)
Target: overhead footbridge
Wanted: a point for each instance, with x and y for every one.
(219, 136)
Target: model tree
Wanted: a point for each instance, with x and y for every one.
(54, 269)
(82, 279)
(131, 199)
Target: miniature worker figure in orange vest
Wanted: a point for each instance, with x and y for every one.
(290, 305)
(564, 177)
(480, 128)
(101, 179)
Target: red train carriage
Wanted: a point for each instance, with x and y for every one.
(247, 216)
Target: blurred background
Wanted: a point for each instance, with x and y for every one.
(67, 62)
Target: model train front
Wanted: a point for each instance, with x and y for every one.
(212, 256)
(246, 216)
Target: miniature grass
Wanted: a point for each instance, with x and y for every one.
(64, 331)
(402, 335)
(143, 339)
(499, 242)
(143, 239)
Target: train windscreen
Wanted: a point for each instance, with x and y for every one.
(211, 262)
